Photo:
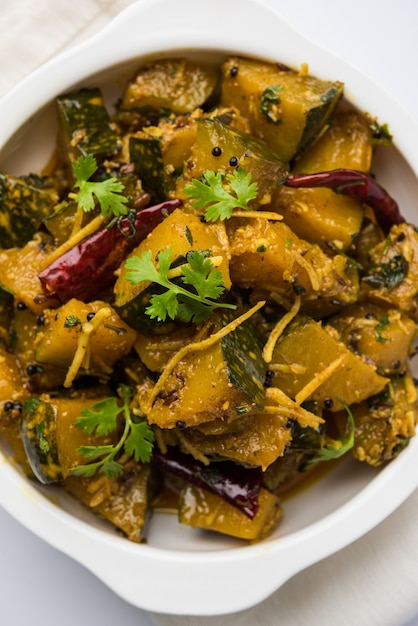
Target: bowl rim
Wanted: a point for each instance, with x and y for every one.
(142, 36)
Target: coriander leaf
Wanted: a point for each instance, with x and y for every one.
(93, 452)
(217, 198)
(85, 470)
(102, 417)
(111, 468)
(136, 440)
(211, 190)
(108, 467)
(163, 305)
(192, 311)
(142, 269)
(83, 168)
(178, 302)
(139, 442)
(108, 192)
(164, 262)
(200, 274)
(336, 448)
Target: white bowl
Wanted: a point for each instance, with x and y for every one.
(180, 570)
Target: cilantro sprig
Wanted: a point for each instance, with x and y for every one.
(103, 418)
(108, 192)
(219, 195)
(177, 302)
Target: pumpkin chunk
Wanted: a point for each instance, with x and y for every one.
(254, 440)
(385, 423)
(286, 109)
(85, 126)
(384, 335)
(270, 255)
(57, 341)
(392, 276)
(303, 363)
(202, 509)
(176, 85)
(23, 207)
(50, 436)
(220, 147)
(122, 501)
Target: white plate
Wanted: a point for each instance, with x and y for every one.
(346, 503)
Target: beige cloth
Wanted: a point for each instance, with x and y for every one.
(372, 582)
(31, 32)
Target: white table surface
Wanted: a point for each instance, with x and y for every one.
(372, 582)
